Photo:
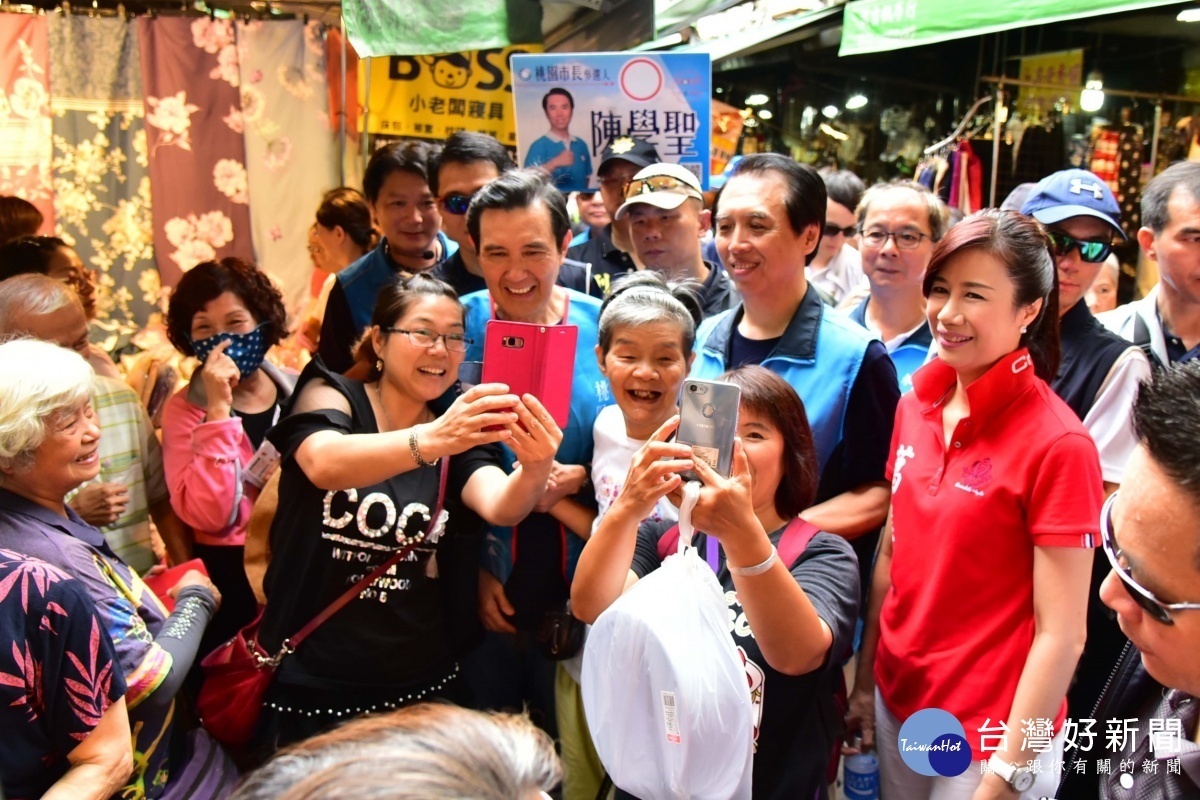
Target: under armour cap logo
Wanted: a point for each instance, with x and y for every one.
(1078, 187)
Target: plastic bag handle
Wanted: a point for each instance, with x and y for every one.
(691, 495)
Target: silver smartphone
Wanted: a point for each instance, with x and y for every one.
(708, 421)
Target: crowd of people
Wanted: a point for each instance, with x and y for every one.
(936, 398)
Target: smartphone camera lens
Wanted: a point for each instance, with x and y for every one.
(692, 388)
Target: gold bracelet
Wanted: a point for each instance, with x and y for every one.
(416, 451)
(757, 569)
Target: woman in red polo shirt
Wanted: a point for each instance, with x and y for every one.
(980, 591)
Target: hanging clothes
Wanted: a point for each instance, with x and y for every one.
(1131, 153)
(966, 186)
(1103, 159)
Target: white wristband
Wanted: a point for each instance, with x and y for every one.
(757, 569)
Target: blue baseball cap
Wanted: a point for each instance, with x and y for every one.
(1073, 193)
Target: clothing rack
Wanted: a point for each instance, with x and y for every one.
(966, 120)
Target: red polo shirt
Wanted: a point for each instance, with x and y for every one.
(1021, 470)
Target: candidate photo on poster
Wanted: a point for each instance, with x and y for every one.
(564, 156)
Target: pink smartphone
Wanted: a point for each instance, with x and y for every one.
(162, 583)
(532, 359)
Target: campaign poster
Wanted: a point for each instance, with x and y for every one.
(571, 105)
(432, 97)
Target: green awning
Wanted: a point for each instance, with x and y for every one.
(873, 26)
(772, 34)
(406, 28)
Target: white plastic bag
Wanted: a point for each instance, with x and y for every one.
(665, 691)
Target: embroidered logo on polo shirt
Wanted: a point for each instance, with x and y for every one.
(976, 475)
(903, 453)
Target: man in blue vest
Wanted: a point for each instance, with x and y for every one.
(520, 227)
(396, 184)
(769, 219)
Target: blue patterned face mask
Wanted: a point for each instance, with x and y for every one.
(246, 349)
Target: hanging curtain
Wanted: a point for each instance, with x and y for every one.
(101, 177)
(25, 112)
(290, 153)
(352, 161)
(197, 160)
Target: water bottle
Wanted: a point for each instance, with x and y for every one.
(862, 776)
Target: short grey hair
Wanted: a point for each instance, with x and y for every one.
(644, 298)
(424, 752)
(41, 381)
(31, 295)
(1157, 195)
(936, 211)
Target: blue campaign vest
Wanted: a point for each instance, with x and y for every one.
(362, 280)
(589, 394)
(819, 355)
(910, 356)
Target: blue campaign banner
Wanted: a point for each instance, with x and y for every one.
(569, 106)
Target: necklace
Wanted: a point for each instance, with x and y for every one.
(383, 407)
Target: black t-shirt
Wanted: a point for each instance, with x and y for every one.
(744, 351)
(454, 272)
(396, 634)
(797, 722)
(257, 424)
(861, 456)
(338, 331)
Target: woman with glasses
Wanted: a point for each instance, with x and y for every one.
(359, 479)
(980, 589)
(900, 223)
(836, 269)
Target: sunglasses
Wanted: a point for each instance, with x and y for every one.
(456, 204)
(658, 183)
(1089, 252)
(833, 230)
(1157, 609)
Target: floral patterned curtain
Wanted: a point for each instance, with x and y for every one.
(101, 180)
(290, 154)
(25, 112)
(197, 160)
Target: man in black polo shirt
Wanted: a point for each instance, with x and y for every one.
(619, 162)
(1098, 376)
(667, 218)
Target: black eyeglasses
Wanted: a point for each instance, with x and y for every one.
(1090, 252)
(423, 337)
(833, 230)
(456, 204)
(1157, 609)
(905, 240)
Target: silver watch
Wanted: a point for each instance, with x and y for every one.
(1019, 778)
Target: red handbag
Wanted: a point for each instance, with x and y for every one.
(238, 673)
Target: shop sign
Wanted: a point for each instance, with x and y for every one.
(664, 98)
(1058, 69)
(434, 96)
(873, 26)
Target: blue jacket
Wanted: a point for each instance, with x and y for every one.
(819, 354)
(362, 280)
(574, 178)
(910, 355)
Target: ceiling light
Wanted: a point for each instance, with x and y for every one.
(829, 130)
(757, 99)
(765, 114)
(1092, 97)
(830, 111)
(1189, 15)
(855, 102)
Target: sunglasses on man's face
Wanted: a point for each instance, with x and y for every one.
(656, 183)
(1157, 609)
(833, 230)
(1090, 252)
(456, 204)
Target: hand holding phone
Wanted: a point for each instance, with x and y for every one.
(162, 583)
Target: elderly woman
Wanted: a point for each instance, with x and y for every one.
(227, 314)
(49, 443)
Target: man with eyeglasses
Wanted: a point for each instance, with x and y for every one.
(836, 269)
(667, 219)
(619, 162)
(1098, 376)
(1151, 539)
(1166, 322)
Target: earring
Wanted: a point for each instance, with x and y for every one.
(379, 362)
(1024, 329)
